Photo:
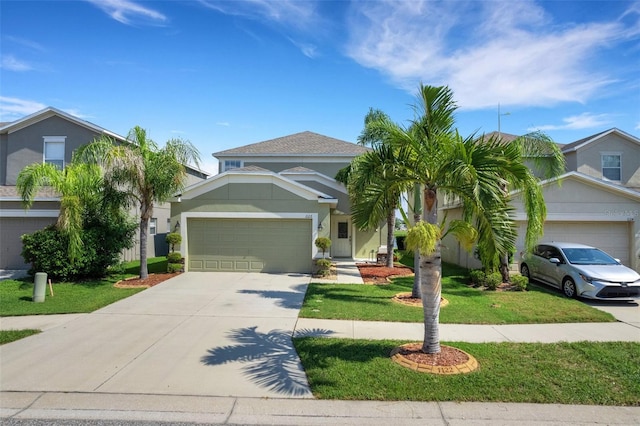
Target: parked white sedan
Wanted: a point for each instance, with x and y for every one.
(581, 271)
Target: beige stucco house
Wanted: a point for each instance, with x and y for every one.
(268, 205)
(597, 202)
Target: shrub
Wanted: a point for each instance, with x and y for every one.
(174, 267)
(323, 243)
(477, 276)
(493, 280)
(174, 257)
(324, 266)
(520, 282)
(172, 239)
(103, 238)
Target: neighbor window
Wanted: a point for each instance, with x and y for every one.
(232, 164)
(153, 226)
(612, 167)
(54, 150)
(168, 225)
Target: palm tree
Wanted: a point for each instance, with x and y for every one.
(374, 189)
(143, 172)
(434, 155)
(79, 185)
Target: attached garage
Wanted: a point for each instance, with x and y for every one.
(250, 245)
(612, 237)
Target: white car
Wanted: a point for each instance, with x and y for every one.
(581, 271)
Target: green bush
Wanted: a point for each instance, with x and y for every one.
(477, 276)
(323, 243)
(174, 267)
(103, 239)
(324, 266)
(520, 282)
(493, 280)
(172, 239)
(174, 257)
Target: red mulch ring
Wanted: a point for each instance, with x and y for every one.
(150, 281)
(447, 356)
(379, 274)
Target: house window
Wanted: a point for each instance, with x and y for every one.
(612, 167)
(232, 164)
(343, 229)
(54, 150)
(169, 225)
(153, 226)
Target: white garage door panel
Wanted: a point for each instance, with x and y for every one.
(612, 237)
(249, 245)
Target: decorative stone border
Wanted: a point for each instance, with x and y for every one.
(466, 367)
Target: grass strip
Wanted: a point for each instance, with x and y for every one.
(8, 336)
(591, 373)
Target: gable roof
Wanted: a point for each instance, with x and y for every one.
(50, 112)
(574, 146)
(303, 143)
(252, 175)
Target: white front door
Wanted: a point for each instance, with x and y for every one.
(341, 236)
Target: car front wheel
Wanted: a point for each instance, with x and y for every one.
(524, 271)
(569, 288)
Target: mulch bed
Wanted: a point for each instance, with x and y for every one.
(373, 273)
(153, 279)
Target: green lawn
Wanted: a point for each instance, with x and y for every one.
(16, 296)
(467, 305)
(561, 373)
(8, 336)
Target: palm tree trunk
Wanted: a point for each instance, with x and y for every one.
(430, 287)
(391, 221)
(146, 211)
(417, 216)
(504, 268)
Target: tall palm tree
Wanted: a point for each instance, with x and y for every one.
(143, 172)
(443, 162)
(79, 185)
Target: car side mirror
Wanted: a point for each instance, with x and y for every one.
(555, 260)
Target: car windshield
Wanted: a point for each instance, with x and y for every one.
(588, 256)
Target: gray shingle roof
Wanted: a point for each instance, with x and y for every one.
(11, 191)
(304, 143)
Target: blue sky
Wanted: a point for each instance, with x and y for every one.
(228, 73)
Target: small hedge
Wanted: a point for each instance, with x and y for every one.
(520, 282)
(493, 280)
(174, 257)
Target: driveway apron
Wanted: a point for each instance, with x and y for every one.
(213, 334)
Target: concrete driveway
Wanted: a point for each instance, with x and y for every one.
(213, 334)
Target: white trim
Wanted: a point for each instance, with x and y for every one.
(28, 213)
(316, 177)
(299, 158)
(233, 176)
(184, 223)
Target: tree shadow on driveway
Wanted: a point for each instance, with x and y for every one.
(284, 299)
(272, 361)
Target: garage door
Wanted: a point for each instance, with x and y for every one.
(11, 229)
(249, 245)
(612, 237)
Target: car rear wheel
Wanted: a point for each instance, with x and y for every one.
(524, 271)
(569, 288)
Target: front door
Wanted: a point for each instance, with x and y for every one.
(341, 236)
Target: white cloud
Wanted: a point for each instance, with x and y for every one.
(126, 12)
(487, 52)
(9, 62)
(15, 108)
(288, 12)
(307, 49)
(577, 122)
(223, 123)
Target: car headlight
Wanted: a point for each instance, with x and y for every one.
(587, 278)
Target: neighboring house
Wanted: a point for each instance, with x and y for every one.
(270, 202)
(597, 202)
(51, 135)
